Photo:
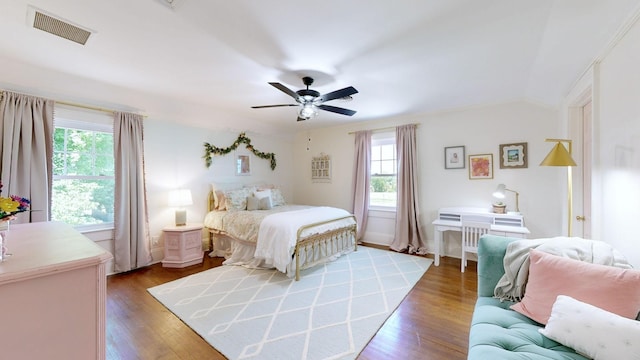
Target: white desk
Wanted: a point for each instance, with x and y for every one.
(449, 219)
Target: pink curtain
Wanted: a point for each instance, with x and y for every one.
(26, 146)
(132, 241)
(361, 170)
(408, 236)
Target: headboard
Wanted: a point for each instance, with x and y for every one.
(211, 200)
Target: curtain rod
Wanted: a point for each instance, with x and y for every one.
(68, 103)
(384, 128)
(89, 107)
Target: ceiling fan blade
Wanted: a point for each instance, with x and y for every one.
(269, 106)
(285, 90)
(338, 94)
(336, 109)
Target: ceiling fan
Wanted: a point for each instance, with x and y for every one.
(311, 100)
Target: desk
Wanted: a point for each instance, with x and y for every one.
(449, 219)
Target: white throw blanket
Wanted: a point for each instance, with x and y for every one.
(278, 232)
(516, 260)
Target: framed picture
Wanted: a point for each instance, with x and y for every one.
(321, 168)
(513, 156)
(454, 157)
(243, 165)
(481, 166)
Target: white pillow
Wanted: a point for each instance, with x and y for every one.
(252, 203)
(264, 203)
(591, 331)
(262, 193)
(257, 203)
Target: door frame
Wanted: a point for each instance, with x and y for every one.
(580, 130)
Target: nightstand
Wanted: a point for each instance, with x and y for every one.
(182, 245)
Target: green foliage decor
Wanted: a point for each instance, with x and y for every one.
(210, 150)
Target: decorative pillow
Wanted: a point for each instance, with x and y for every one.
(252, 203)
(592, 331)
(264, 203)
(262, 193)
(218, 190)
(220, 200)
(236, 199)
(276, 197)
(256, 203)
(610, 288)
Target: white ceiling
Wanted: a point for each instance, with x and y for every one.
(207, 62)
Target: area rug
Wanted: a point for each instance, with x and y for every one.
(331, 313)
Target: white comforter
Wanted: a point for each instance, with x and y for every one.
(278, 232)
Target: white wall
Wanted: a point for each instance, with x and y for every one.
(174, 159)
(481, 130)
(617, 137)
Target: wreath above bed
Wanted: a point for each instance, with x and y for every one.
(210, 150)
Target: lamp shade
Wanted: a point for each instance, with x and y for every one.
(180, 197)
(499, 193)
(558, 156)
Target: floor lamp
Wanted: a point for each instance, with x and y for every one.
(559, 156)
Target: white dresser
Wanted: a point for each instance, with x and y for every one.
(449, 219)
(53, 293)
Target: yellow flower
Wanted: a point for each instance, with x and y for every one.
(8, 205)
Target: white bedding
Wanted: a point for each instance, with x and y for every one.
(268, 237)
(278, 232)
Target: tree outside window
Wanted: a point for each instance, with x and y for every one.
(383, 179)
(83, 177)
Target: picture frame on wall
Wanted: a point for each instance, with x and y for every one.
(321, 168)
(243, 165)
(481, 166)
(513, 156)
(454, 157)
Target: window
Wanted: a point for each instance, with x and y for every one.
(384, 165)
(83, 168)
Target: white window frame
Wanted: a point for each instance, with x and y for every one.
(71, 117)
(384, 138)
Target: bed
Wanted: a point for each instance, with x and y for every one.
(254, 227)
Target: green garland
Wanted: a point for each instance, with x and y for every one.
(210, 150)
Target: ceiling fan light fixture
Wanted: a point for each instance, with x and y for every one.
(308, 111)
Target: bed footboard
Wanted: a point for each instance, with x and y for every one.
(330, 243)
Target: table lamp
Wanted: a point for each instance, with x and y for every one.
(178, 199)
(500, 194)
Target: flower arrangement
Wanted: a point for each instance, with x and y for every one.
(9, 206)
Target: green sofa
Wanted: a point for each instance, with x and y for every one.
(498, 332)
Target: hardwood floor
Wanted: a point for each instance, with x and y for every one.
(431, 323)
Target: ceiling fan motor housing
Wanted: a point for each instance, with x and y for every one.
(308, 94)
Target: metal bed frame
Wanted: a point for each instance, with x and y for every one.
(331, 242)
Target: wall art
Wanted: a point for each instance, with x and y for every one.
(454, 157)
(481, 166)
(513, 156)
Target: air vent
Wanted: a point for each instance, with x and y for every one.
(58, 27)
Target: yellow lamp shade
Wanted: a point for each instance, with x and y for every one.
(558, 156)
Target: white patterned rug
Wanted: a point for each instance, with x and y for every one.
(331, 313)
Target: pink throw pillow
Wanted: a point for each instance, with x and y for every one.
(610, 288)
